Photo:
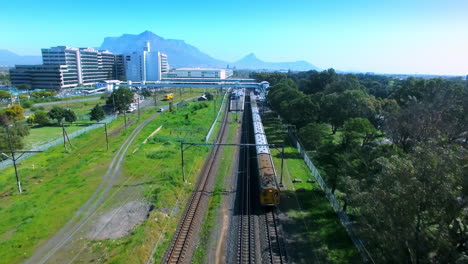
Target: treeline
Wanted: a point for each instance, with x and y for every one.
(392, 151)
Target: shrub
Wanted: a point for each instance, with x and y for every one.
(40, 118)
(26, 104)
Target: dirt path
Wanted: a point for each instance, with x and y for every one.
(227, 206)
(82, 215)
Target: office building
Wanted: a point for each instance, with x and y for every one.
(145, 65)
(65, 67)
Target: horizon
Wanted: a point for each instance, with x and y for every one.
(402, 37)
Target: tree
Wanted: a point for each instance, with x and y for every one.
(313, 134)
(412, 212)
(358, 130)
(330, 160)
(4, 120)
(97, 114)
(57, 113)
(69, 115)
(41, 118)
(209, 96)
(5, 94)
(15, 112)
(122, 98)
(338, 107)
(14, 134)
(5, 79)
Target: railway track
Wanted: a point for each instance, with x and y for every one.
(183, 241)
(259, 238)
(246, 226)
(276, 253)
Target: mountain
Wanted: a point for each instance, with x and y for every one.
(252, 62)
(180, 54)
(8, 58)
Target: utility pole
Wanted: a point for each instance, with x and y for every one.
(18, 183)
(182, 159)
(107, 139)
(113, 103)
(282, 161)
(214, 106)
(237, 109)
(138, 106)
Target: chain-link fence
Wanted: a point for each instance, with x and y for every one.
(331, 198)
(8, 162)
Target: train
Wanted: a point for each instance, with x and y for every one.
(268, 185)
(168, 96)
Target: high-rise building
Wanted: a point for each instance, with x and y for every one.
(145, 65)
(69, 67)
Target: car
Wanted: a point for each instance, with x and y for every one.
(131, 109)
(161, 110)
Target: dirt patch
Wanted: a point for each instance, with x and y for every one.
(119, 222)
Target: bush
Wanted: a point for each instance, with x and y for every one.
(40, 118)
(26, 104)
(31, 119)
(161, 154)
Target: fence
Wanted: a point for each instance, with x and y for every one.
(216, 120)
(7, 163)
(345, 221)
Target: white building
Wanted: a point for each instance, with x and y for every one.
(145, 65)
(209, 73)
(65, 67)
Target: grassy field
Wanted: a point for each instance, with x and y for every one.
(157, 163)
(81, 109)
(42, 135)
(314, 227)
(56, 184)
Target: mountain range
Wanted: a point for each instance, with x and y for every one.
(8, 58)
(180, 54)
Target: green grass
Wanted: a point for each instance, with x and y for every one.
(314, 220)
(158, 162)
(81, 109)
(42, 135)
(56, 184)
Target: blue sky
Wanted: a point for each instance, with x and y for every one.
(399, 36)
